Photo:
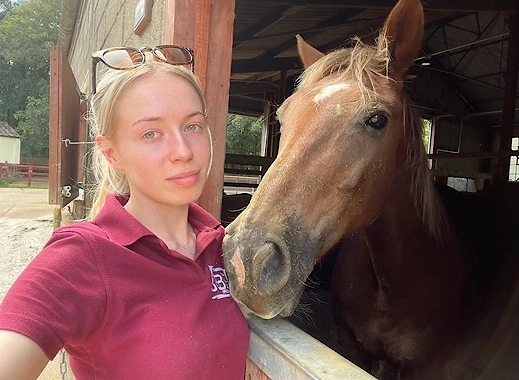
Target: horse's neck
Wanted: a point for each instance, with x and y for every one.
(398, 241)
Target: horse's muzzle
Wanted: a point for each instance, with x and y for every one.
(270, 268)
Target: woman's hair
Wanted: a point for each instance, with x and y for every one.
(103, 103)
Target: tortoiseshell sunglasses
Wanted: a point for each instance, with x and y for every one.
(126, 58)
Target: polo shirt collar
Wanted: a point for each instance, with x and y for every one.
(122, 228)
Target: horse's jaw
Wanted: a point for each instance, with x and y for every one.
(282, 311)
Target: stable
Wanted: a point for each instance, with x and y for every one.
(463, 85)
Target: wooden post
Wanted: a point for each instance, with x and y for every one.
(512, 65)
(207, 27)
(29, 175)
(63, 125)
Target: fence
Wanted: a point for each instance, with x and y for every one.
(280, 351)
(243, 173)
(21, 174)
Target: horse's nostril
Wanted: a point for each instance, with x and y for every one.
(270, 268)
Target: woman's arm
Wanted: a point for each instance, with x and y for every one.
(21, 358)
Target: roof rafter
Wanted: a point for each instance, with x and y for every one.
(447, 5)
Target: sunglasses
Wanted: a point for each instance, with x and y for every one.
(127, 58)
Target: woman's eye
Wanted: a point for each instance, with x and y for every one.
(192, 128)
(150, 135)
(377, 121)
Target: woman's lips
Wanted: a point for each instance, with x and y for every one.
(188, 178)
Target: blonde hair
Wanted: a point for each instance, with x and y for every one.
(101, 117)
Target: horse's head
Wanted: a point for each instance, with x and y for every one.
(341, 141)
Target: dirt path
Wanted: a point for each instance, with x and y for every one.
(26, 221)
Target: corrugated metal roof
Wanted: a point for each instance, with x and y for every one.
(467, 48)
(7, 131)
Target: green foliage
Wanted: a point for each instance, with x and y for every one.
(27, 31)
(33, 127)
(426, 133)
(243, 135)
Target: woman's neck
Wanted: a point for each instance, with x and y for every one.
(169, 223)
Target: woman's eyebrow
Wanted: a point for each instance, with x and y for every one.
(146, 118)
(195, 113)
(158, 118)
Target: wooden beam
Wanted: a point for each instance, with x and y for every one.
(437, 5)
(275, 15)
(245, 87)
(509, 101)
(466, 155)
(207, 27)
(240, 66)
(64, 124)
(339, 19)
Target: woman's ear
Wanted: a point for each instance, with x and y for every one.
(106, 147)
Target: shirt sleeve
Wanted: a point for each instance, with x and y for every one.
(60, 297)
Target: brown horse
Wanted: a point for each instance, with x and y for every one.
(353, 146)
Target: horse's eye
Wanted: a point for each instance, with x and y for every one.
(377, 121)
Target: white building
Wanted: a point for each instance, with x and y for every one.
(9, 144)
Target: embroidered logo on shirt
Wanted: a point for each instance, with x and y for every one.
(220, 283)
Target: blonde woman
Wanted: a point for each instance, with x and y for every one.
(138, 292)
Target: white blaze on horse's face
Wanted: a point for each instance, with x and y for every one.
(329, 90)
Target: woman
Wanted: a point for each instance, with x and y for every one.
(140, 290)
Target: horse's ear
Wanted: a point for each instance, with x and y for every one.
(307, 52)
(403, 31)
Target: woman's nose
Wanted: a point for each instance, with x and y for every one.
(180, 148)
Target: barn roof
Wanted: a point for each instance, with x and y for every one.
(461, 69)
(7, 131)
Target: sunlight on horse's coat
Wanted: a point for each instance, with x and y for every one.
(329, 90)
(239, 268)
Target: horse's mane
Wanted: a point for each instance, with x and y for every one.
(364, 63)
(426, 199)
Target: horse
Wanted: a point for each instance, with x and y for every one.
(352, 143)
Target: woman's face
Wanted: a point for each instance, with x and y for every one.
(161, 141)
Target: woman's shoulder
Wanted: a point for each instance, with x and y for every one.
(84, 228)
(75, 239)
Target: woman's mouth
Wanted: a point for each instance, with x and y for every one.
(188, 178)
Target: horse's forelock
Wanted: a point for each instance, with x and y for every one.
(361, 63)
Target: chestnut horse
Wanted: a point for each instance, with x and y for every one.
(354, 147)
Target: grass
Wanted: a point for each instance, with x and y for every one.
(18, 185)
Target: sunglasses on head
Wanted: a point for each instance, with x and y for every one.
(126, 58)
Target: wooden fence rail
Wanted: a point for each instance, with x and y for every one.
(243, 171)
(18, 173)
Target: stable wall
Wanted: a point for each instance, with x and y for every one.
(454, 136)
(109, 23)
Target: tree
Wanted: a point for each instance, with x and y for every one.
(27, 31)
(34, 138)
(243, 135)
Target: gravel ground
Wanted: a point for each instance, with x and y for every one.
(26, 222)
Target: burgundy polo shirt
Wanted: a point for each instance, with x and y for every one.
(124, 306)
